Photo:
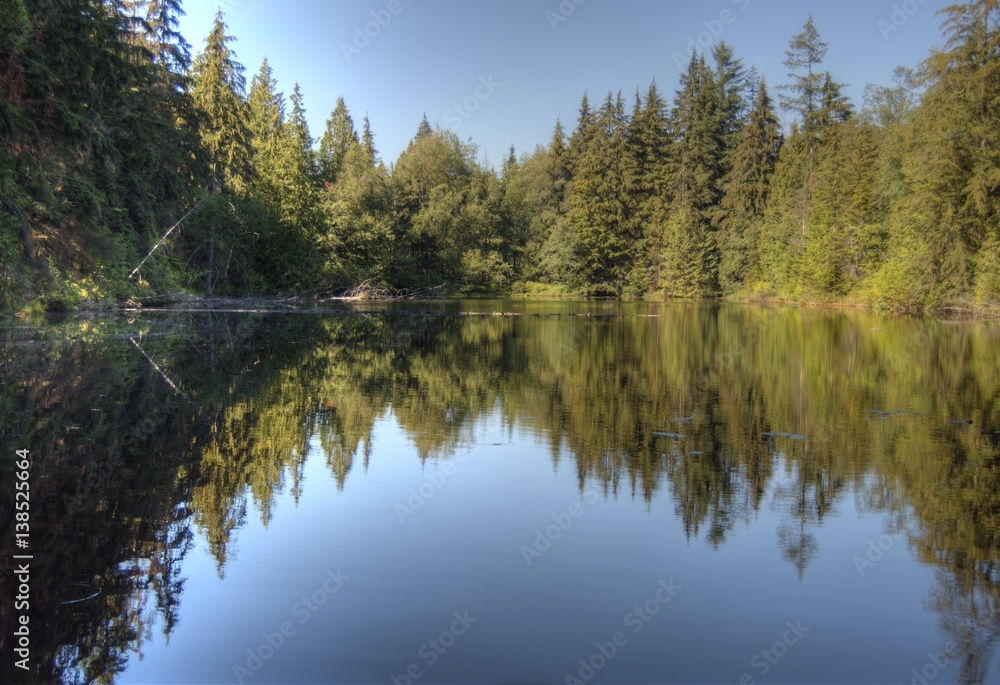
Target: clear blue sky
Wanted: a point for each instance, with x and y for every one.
(433, 54)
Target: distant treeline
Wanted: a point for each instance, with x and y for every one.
(112, 132)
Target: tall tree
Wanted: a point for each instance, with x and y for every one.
(266, 124)
(949, 240)
(368, 141)
(600, 207)
(690, 256)
(336, 142)
(747, 192)
(649, 150)
(805, 53)
(218, 96)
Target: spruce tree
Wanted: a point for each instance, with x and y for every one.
(266, 124)
(949, 225)
(696, 171)
(600, 206)
(742, 206)
(337, 140)
(805, 53)
(218, 96)
(649, 150)
(368, 141)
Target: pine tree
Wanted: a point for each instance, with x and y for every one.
(358, 242)
(218, 96)
(600, 207)
(555, 254)
(299, 199)
(266, 109)
(696, 172)
(785, 224)
(266, 124)
(731, 80)
(836, 254)
(747, 192)
(336, 142)
(168, 45)
(559, 169)
(805, 53)
(649, 149)
(950, 230)
(368, 141)
(425, 127)
(582, 135)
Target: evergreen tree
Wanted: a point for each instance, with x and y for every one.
(947, 242)
(553, 247)
(785, 224)
(697, 169)
(299, 198)
(559, 169)
(731, 80)
(649, 150)
(168, 45)
(266, 124)
(747, 192)
(425, 127)
(358, 242)
(368, 141)
(583, 134)
(266, 109)
(805, 53)
(836, 251)
(600, 207)
(218, 95)
(337, 141)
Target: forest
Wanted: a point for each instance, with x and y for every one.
(114, 129)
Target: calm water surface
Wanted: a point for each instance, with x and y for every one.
(582, 493)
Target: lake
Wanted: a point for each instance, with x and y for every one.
(574, 492)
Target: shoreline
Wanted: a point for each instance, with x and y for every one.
(184, 302)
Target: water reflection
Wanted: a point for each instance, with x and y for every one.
(145, 432)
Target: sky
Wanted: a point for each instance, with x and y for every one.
(499, 72)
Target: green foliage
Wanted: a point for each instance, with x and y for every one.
(112, 132)
(14, 26)
(217, 93)
(747, 193)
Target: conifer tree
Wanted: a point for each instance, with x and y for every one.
(218, 96)
(368, 141)
(337, 140)
(266, 124)
(805, 53)
(649, 149)
(747, 191)
(696, 170)
(948, 240)
(600, 207)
